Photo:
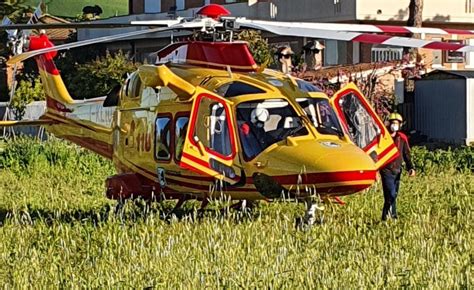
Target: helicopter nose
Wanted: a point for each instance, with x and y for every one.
(330, 167)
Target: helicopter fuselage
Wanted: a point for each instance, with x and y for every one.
(217, 126)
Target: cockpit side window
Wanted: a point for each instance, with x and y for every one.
(363, 129)
(237, 88)
(213, 127)
(265, 122)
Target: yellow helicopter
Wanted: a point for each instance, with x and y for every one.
(206, 122)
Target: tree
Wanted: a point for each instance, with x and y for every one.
(258, 46)
(26, 92)
(415, 18)
(98, 77)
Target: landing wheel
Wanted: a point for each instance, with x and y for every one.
(120, 209)
(314, 213)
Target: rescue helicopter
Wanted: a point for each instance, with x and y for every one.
(206, 121)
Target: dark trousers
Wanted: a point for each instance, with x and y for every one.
(390, 184)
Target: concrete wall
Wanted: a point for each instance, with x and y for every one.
(442, 11)
(440, 109)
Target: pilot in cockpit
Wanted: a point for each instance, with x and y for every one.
(253, 133)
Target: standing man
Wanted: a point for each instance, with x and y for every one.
(392, 171)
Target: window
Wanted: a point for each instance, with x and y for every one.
(362, 127)
(265, 122)
(212, 127)
(152, 6)
(335, 52)
(234, 89)
(307, 86)
(133, 86)
(163, 138)
(181, 126)
(179, 4)
(454, 56)
(322, 115)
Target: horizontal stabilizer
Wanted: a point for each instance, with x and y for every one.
(27, 123)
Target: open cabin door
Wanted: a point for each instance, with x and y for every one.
(210, 146)
(363, 125)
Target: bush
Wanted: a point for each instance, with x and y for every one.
(258, 46)
(97, 78)
(461, 159)
(28, 90)
(24, 154)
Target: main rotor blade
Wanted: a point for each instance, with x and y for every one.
(29, 54)
(368, 28)
(65, 25)
(353, 36)
(91, 24)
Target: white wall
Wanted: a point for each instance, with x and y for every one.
(297, 10)
(433, 10)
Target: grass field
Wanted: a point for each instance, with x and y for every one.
(71, 8)
(57, 230)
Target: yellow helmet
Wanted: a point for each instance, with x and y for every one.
(395, 116)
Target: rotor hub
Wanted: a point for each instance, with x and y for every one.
(213, 11)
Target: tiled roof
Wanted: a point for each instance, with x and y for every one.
(56, 34)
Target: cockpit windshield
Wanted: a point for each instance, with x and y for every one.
(322, 115)
(264, 122)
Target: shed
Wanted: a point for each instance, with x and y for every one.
(444, 106)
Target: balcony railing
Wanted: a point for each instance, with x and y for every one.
(386, 54)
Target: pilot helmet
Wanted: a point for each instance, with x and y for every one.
(259, 116)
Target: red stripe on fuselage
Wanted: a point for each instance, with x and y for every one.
(326, 177)
(195, 160)
(97, 146)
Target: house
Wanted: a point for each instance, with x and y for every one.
(458, 14)
(444, 106)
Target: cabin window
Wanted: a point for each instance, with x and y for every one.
(307, 86)
(212, 127)
(163, 138)
(181, 126)
(234, 89)
(134, 86)
(362, 127)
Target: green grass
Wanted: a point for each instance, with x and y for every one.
(57, 230)
(72, 8)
